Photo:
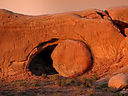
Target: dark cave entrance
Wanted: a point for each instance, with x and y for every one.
(42, 62)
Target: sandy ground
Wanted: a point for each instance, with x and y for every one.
(55, 85)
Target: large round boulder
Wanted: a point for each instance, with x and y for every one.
(71, 58)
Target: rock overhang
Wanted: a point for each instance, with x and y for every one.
(21, 36)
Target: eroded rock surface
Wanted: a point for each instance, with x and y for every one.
(23, 37)
(119, 16)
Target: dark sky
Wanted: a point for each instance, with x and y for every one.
(37, 7)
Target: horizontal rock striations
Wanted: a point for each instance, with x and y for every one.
(104, 34)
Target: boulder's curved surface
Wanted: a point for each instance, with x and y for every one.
(23, 37)
(71, 58)
(118, 81)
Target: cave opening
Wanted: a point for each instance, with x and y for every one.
(42, 63)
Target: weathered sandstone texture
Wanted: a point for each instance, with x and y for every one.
(103, 32)
(120, 18)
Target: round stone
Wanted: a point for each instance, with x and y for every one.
(118, 81)
(71, 58)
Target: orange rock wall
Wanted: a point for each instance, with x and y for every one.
(20, 36)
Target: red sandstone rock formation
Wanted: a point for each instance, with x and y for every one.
(23, 37)
(120, 18)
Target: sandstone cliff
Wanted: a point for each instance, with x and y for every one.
(103, 33)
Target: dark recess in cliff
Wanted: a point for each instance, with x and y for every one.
(42, 62)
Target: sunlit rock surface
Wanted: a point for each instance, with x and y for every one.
(24, 37)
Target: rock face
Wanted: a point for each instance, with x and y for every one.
(120, 18)
(23, 37)
(119, 14)
(119, 81)
(71, 58)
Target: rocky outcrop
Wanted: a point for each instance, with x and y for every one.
(119, 16)
(23, 37)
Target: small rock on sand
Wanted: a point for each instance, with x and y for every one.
(118, 81)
